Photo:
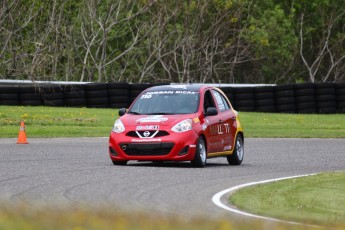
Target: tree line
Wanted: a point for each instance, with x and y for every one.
(136, 41)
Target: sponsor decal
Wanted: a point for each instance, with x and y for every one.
(153, 118)
(220, 129)
(196, 120)
(147, 127)
(192, 146)
(228, 147)
(186, 92)
(146, 140)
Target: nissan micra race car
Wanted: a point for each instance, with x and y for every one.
(178, 123)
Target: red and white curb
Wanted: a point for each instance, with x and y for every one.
(216, 199)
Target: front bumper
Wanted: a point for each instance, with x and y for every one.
(173, 147)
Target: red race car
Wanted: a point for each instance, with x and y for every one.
(178, 123)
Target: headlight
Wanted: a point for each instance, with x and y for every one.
(118, 126)
(183, 126)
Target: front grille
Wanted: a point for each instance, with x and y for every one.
(147, 149)
(160, 133)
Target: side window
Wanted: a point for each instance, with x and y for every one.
(208, 101)
(221, 101)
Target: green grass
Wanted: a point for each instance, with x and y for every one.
(56, 121)
(316, 199)
(293, 125)
(86, 122)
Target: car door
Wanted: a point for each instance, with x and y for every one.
(211, 124)
(226, 126)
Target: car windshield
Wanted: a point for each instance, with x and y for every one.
(166, 102)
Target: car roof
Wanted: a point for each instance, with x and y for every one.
(190, 87)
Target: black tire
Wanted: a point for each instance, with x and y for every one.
(302, 99)
(96, 94)
(236, 157)
(119, 162)
(9, 96)
(246, 108)
(119, 99)
(340, 89)
(326, 98)
(306, 105)
(80, 102)
(75, 95)
(266, 109)
(119, 85)
(200, 154)
(245, 103)
(244, 96)
(118, 92)
(285, 100)
(9, 102)
(55, 102)
(286, 108)
(9, 89)
(118, 105)
(31, 102)
(307, 89)
(283, 94)
(265, 102)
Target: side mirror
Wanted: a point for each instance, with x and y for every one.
(122, 112)
(211, 111)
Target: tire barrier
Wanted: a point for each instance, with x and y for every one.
(265, 99)
(285, 98)
(29, 95)
(340, 94)
(326, 98)
(97, 95)
(244, 99)
(305, 98)
(74, 96)
(119, 95)
(52, 95)
(9, 95)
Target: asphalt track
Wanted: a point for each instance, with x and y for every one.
(56, 172)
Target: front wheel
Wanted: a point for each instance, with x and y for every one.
(200, 154)
(236, 157)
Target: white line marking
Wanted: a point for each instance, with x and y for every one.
(217, 197)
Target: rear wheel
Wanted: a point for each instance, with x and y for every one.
(200, 154)
(119, 162)
(236, 157)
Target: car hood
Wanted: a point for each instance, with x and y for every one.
(162, 120)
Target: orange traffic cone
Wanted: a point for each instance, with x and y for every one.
(22, 134)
